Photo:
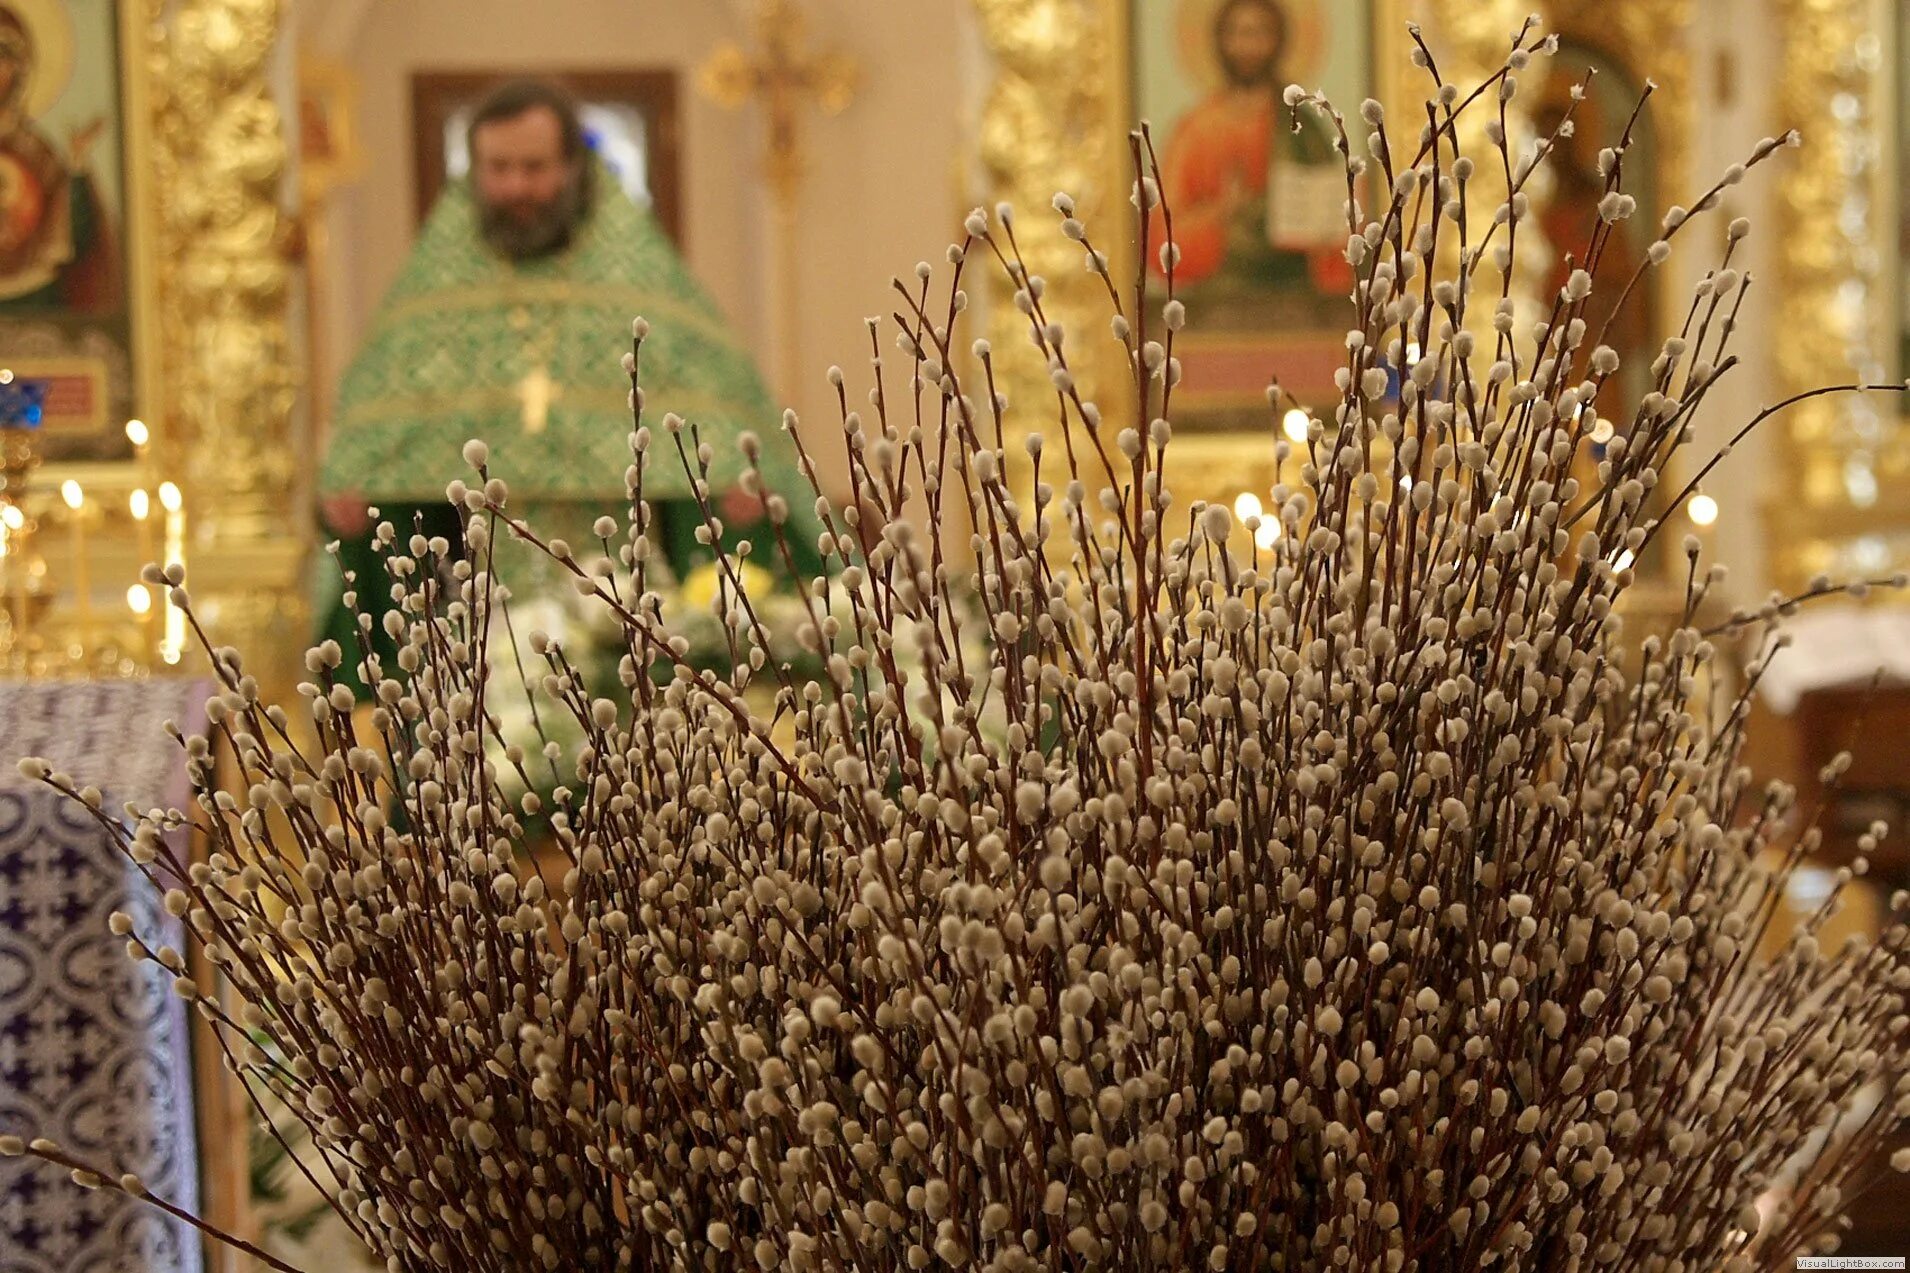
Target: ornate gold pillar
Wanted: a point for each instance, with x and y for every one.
(1054, 121)
(225, 280)
(1833, 503)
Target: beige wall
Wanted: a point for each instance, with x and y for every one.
(882, 188)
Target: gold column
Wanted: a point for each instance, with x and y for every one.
(225, 278)
(1829, 505)
(1055, 120)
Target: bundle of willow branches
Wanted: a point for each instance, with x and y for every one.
(1344, 902)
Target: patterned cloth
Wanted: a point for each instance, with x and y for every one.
(525, 355)
(93, 1049)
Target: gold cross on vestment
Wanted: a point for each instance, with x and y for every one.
(535, 393)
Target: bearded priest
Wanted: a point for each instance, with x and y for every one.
(507, 324)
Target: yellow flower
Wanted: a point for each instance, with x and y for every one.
(700, 585)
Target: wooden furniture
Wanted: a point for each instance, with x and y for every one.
(1871, 724)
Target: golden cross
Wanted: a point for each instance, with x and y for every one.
(536, 391)
(782, 74)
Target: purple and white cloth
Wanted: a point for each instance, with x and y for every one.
(93, 1048)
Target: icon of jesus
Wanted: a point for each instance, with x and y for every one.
(1257, 207)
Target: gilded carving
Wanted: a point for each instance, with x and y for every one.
(225, 276)
(1835, 454)
(1050, 125)
(220, 156)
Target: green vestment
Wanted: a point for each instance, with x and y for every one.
(526, 355)
(466, 336)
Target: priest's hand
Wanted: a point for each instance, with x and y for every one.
(345, 514)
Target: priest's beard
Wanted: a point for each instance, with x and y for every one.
(541, 230)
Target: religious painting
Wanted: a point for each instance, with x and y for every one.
(1607, 56)
(629, 118)
(1258, 207)
(1568, 187)
(66, 317)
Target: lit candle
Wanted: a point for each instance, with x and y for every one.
(142, 508)
(173, 643)
(12, 523)
(76, 538)
(138, 434)
(6, 578)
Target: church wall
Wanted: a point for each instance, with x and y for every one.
(881, 191)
